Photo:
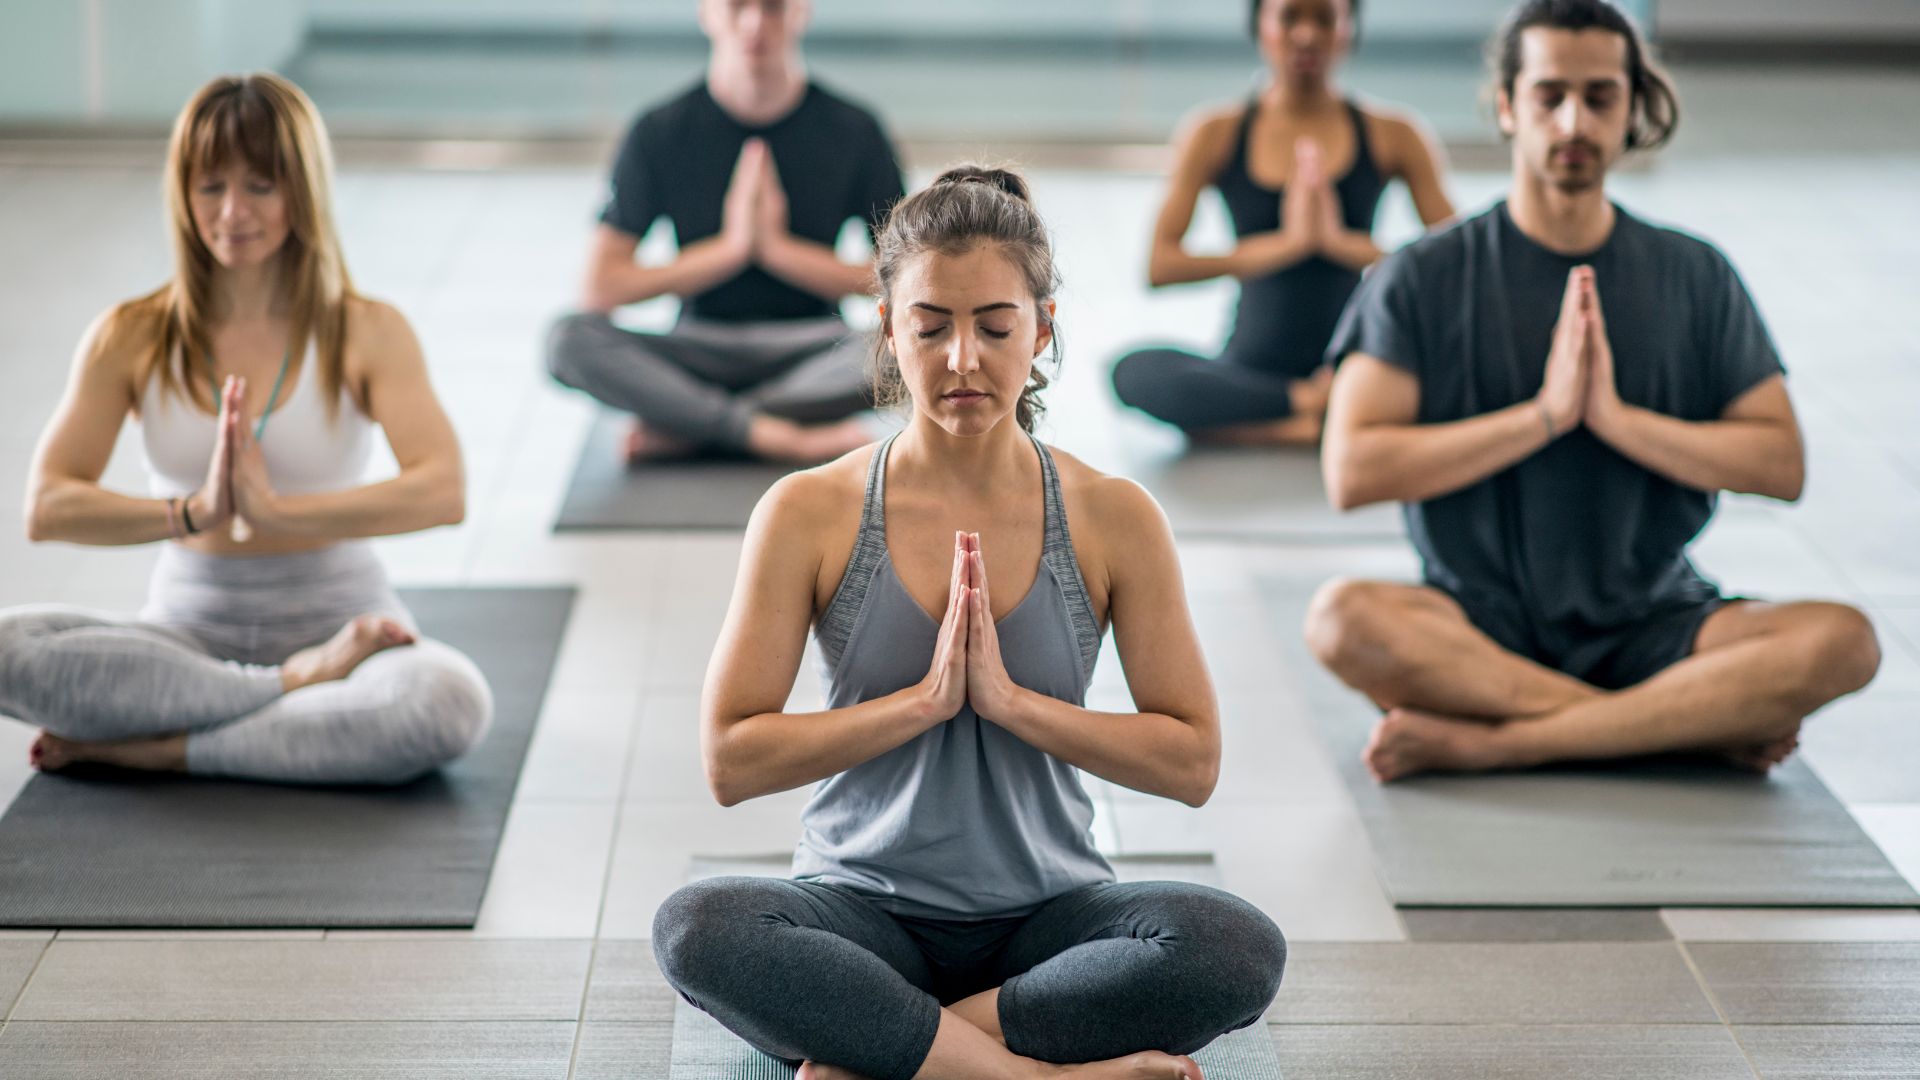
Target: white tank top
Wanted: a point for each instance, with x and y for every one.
(305, 452)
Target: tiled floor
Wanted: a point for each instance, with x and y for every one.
(557, 981)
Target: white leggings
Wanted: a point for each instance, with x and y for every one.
(202, 658)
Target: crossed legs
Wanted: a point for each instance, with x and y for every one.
(1124, 978)
(1457, 701)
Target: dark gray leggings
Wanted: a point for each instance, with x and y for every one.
(1195, 392)
(811, 971)
(705, 381)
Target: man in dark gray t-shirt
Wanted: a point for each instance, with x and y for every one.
(1558, 391)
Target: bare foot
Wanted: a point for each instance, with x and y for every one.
(1409, 741)
(51, 753)
(1761, 757)
(783, 440)
(339, 655)
(1310, 395)
(1146, 1065)
(813, 1070)
(651, 444)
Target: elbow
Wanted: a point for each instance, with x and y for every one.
(1792, 482)
(724, 781)
(453, 507)
(38, 519)
(1201, 776)
(1344, 490)
(596, 292)
(1160, 269)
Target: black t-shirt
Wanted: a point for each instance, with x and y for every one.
(1577, 538)
(834, 163)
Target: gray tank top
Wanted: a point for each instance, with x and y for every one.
(965, 820)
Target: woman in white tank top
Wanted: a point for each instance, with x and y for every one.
(271, 646)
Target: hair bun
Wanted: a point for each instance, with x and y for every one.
(1012, 183)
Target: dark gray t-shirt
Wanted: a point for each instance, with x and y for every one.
(1576, 539)
(677, 162)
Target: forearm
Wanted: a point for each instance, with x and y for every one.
(698, 267)
(1416, 462)
(419, 498)
(771, 752)
(80, 513)
(1351, 249)
(814, 268)
(1151, 752)
(1255, 256)
(1758, 457)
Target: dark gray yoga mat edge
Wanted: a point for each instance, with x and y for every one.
(132, 851)
(703, 493)
(1655, 833)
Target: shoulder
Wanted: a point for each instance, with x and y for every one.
(1114, 507)
(811, 502)
(842, 113)
(1674, 245)
(1210, 130)
(665, 118)
(375, 325)
(1399, 135)
(1444, 248)
(121, 336)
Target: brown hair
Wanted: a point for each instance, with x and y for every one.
(964, 207)
(268, 123)
(1655, 103)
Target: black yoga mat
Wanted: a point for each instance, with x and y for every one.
(701, 493)
(1665, 832)
(119, 849)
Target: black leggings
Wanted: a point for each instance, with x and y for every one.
(809, 971)
(1194, 392)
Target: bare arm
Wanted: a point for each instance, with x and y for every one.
(1171, 746)
(1203, 151)
(1376, 452)
(1407, 154)
(753, 748)
(814, 267)
(430, 489)
(1753, 447)
(64, 498)
(614, 278)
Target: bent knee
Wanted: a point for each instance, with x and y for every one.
(448, 706)
(1843, 653)
(567, 340)
(699, 922)
(1346, 620)
(1232, 948)
(1133, 380)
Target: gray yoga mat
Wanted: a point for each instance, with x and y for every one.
(136, 850)
(703, 493)
(703, 1050)
(1248, 494)
(1646, 833)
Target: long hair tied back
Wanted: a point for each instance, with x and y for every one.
(966, 206)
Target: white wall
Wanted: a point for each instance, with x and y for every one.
(137, 60)
(1776, 20)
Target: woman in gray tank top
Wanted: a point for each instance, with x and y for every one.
(948, 913)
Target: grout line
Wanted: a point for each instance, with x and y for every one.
(1713, 999)
(606, 884)
(14, 1005)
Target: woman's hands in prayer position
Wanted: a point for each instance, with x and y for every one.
(967, 668)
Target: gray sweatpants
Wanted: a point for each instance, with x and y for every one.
(704, 381)
(201, 656)
(806, 970)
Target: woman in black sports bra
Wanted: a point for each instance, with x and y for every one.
(1302, 170)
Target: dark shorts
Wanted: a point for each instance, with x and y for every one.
(1613, 658)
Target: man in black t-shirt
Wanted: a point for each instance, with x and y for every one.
(1557, 391)
(757, 168)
